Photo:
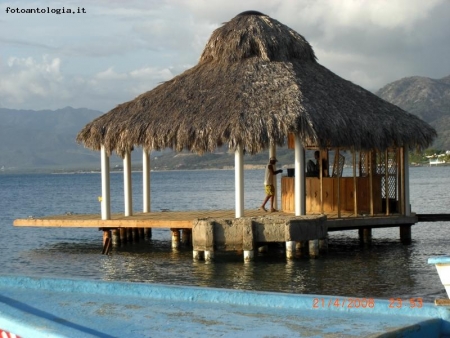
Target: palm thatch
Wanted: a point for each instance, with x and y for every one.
(257, 80)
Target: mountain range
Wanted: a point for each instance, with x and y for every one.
(427, 98)
(45, 139)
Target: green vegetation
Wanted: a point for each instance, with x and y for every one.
(423, 158)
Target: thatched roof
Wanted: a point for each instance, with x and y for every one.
(256, 81)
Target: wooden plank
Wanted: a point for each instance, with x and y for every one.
(381, 221)
(184, 219)
(175, 219)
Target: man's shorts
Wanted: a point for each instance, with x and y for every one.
(270, 190)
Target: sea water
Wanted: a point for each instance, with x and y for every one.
(386, 269)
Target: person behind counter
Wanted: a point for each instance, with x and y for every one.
(268, 183)
(313, 169)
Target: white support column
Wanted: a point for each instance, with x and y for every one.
(239, 180)
(299, 186)
(290, 249)
(128, 199)
(407, 201)
(209, 255)
(273, 153)
(146, 180)
(248, 255)
(106, 195)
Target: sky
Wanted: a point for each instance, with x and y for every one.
(107, 52)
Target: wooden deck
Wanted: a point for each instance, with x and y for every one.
(184, 219)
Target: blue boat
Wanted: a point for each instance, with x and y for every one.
(47, 307)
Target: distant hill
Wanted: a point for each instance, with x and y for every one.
(427, 98)
(44, 139)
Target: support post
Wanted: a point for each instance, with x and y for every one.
(175, 238)
(146, 180)
(106, 241)
(299, 186)
(355, 186)
(249, 255)
(106, 195)
(290, 249)
(323, 244)
(115, 237)
(127, 188)
(314, 248)
(273, 153)
(301, 248)
(129, 235)
(402, 180)
(365, 235)
(407, 201)
(196, 255)
(106, 235)
(321, 181)
(386, 180)
(209, 255)
(186, 237)
(405, 234)
(248, 240)
(135, 234)
(371, 168)
(123, 235)
(239, 180)
(336, 153)
(148, 233)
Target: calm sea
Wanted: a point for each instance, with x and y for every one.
(386, 269)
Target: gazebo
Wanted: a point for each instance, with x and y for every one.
(258, 85)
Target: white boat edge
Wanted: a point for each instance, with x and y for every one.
(442, 264)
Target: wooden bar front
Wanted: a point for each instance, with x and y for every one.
(330, 194)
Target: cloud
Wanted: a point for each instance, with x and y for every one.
(119, 49)
(24, 79)
(28, 83)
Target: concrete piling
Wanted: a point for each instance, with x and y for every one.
(135, 234)
(365, 235)
(243, 234)
(186, 237)
(314, 248)
(301, 248)
(148, 233)
(123, 236)
(249, 255)
(209, 255)
(290, 249)
(106, 241)
(197, 255)
(323, 244)
(405, 234)
(115, 237)
(175, 238)
(129, 235)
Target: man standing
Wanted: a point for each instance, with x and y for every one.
(268, 183)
